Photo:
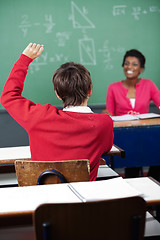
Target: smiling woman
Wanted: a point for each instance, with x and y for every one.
(132, 95)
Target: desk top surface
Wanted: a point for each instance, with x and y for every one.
(149, 188)
(26, 199)
(138, 123)
(20, 202)
(10, 154)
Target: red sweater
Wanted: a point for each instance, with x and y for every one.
(56, 134)
(117, 102)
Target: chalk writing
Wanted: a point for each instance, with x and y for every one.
(81, 21)
(154, 9)
(58, 58)
(137, 11)
(25, 24)
(49, 23)
(45, 59)
(87, 51)
(62, 37)
(41, 61)
(107, 51)
(119, 10)
(79, 18)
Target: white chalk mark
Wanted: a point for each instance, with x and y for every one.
(79, 18)
(87, 52)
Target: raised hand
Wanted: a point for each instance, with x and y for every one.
(33, 50)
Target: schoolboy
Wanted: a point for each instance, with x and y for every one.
(72, 133)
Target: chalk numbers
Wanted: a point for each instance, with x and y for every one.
(80, 22)
(26, 25)
(136, 11)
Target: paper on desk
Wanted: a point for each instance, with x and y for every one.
(148, 115)
(130, 117)
(126, 117)
(17, 199)
(106, 189)
(149, 189)
(15, 152)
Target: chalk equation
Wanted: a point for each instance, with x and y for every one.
(45, 59)
(62, 38)
(107, 52)
(81, 24)
(25, 24)
(137, 11)
(119, 10)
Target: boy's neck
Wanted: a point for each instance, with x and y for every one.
(84, 104)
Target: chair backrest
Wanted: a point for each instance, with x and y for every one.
(47, 172)
(110, 219)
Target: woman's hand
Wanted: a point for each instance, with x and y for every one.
(33, 50)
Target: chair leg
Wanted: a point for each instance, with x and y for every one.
(46, 231)
(136, 227)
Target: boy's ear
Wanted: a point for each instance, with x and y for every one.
(57, 95)
(90, 91)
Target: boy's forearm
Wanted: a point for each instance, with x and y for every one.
(14, 84)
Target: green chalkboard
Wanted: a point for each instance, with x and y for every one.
(93, 33)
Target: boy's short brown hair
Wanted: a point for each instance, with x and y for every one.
(72, 82)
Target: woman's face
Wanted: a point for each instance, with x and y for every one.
(132, 68)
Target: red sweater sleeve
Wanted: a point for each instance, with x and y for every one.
(17, 106)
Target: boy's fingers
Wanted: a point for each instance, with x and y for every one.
(40, 50)
(38, 47)
(34, 45)
(30, 45)
(33, 50)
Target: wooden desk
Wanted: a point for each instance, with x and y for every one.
(17, 204)
(105, 172)
(138, 123)
(10, 179)
(115, 151)
(149, 187)
(10, 154)
(140, 139)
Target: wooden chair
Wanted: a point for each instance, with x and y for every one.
(109, 220)
(47, 172)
